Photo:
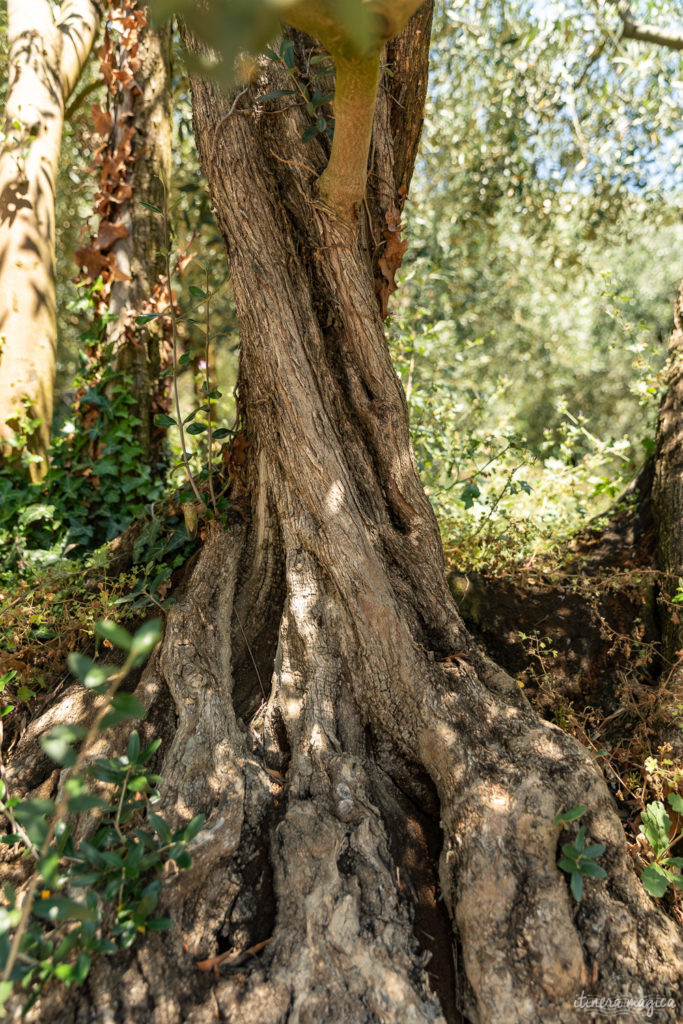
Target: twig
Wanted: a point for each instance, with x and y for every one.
(174, 326)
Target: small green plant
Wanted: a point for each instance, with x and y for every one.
(55, 932)
(314, 98)
(578, 859)
(657, 828)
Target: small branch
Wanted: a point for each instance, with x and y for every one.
(80, 98)
(671, 38)
(174, 325)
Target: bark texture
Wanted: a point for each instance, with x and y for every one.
(379, 795)
(142, 113)
(46, 57)
(667, 500)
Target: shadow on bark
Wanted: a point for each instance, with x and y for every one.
(334, 719)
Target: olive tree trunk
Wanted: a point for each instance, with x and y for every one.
(379, 843)
(47, 53)
(667, 500)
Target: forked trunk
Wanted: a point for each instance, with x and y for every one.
(334, 720)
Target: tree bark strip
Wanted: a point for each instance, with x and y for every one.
(667, 501)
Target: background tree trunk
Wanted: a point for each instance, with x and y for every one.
(46, 57)
(379, 796)
(142, 113)
(667, 500)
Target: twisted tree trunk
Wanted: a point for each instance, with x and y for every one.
(379, 796)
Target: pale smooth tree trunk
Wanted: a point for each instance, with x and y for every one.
(47, 53)
(379, 843)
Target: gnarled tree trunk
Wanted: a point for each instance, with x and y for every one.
(46, 57)
(379, 796)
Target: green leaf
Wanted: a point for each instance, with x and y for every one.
(148, 751)
(576, 885)
(566, 864)
(197, 428)
(655, 880)
(58, 908)
(162, 420)
(48, 866)
(592, 869)
(146, 639)
(571, 815)
(160, 827)
(596, 850)
(124, 706)
(222, 432)
(193, 828)
(146, 318)
(86, 802)
(676, 802)
(114, 633)
(138, 784)
(197, 293)
(159, 924)
(148, 206)
(93, 675)
(133, 750)
(6, 989)
(310, 133)
(655, 825)
(58, 743)
(676, 862)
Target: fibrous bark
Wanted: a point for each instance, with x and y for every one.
(142, 112)
(667, 501)
(46, 57)
(332, 711)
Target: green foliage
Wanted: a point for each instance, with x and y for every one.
(117, 869)
(312, 92)
(657, 828)
(97, 482)
(230, 27)
(578, 858)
